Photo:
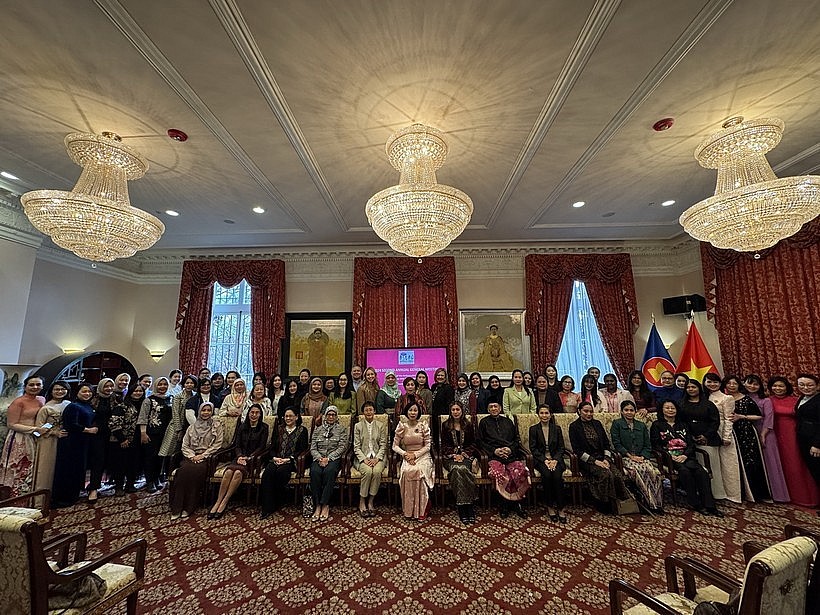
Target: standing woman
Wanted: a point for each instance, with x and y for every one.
(416, 475)
(291, 398)
(233, 404)
(495, 392)
(172, 439)
(478, 395)
(590, 444)
(768, 440)
(217, 388)
(544, 395)
(276, 390)
(388, 395)
(702, 419)
(19, 451)
(589, 393)
(328, 445)
(330, 386)
(121, 383)
(808, 423)
(369, 453)
(746, 415)
(569, 398)
(547, 447)
(551, 372)
(529, 380)
(802, 489)
(123, 447)
(641, 393)
(423, 390)
(57, 398)
(250, 441)
(104, 403)
(290, 439)
(314, 403)
(203, 393)
(174, 379)
(259, 397)
(733, 476)
(343, 396)
(368, 389)
(518, 398)
(458, 450)
(153, 421)
(200, 442)
(443, 394)
(462, 392)
(630, 438)
(72, 451)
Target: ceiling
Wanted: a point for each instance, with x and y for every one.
(288, 106)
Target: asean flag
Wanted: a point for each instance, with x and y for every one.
(695, 360)
(656, 359)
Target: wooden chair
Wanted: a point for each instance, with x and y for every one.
(26, 575)
(353, 478)
(775, 581)
(523, 422)
(224, 458)
(38, 511)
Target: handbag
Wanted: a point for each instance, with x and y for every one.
(78, 593)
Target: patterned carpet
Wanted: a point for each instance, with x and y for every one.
(286, 564)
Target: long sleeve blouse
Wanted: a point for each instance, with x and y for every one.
(703, 419)
(329, 441)
(518, 402)
(632, 440)
(403, 428)
(726, 407)
(454, 441)
(370, 439)
(206, 445)
(497, 432)
(589, 451)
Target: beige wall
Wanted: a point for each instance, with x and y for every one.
(71, 308)
(16, 266)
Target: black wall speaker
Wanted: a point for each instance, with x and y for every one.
(684, 304)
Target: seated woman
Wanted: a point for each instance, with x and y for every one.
(290, 439)
(412, 441)
(669, 434)
(498, 437)
(630, 437)
(201, 441)
(370, 450)
(547, 447)
(250, 441)
(327, 447)
(590, 444)
(458, 450)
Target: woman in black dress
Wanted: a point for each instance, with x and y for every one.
(744, 418)
(72, 450)
(290, 439)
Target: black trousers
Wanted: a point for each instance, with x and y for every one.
(272, 488)
(696, 482)
(123, 464)
(152, 462)
(553, 483)
(97, 459)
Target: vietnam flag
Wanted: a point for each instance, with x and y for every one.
(656, 359)
(695, 360)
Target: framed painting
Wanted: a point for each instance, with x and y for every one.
(493, 342)
(319, 341)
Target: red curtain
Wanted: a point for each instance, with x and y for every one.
(193, 324)
(611, 289)
(767, 309)
(378, 305)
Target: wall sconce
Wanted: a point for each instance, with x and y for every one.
(73, 350)
(156, 355)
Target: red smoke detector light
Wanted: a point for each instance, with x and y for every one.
(177, 135)
(664, 124)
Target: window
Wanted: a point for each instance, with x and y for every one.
(230, 344)
(581, 347)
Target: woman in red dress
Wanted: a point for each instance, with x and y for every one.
(802, 488)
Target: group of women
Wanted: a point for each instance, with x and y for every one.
(760, 447)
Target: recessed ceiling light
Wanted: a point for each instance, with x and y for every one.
(667, 203)
(578, 204)
(171, 212)
(258, 210)
(8, 175)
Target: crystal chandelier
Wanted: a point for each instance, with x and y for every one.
(752, 209)
(418, 217)
(96, 220)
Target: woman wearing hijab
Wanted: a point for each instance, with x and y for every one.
(201, 441)
(72, 450)
(462, 392)
(123, 449)
(495, 392)
(590, 444)
(121, 383)
(416, 475)
(103, 402)
(57, 398)
(153, 422)
(233, 404)
(328, 445)
(250, 441)
(388, 395)
(173, 435)
(290, 440)
(313, 404)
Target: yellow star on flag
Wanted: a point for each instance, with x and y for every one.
(697, 373)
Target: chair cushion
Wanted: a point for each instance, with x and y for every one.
(675, 601)
(711, 593)
(29, 513)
